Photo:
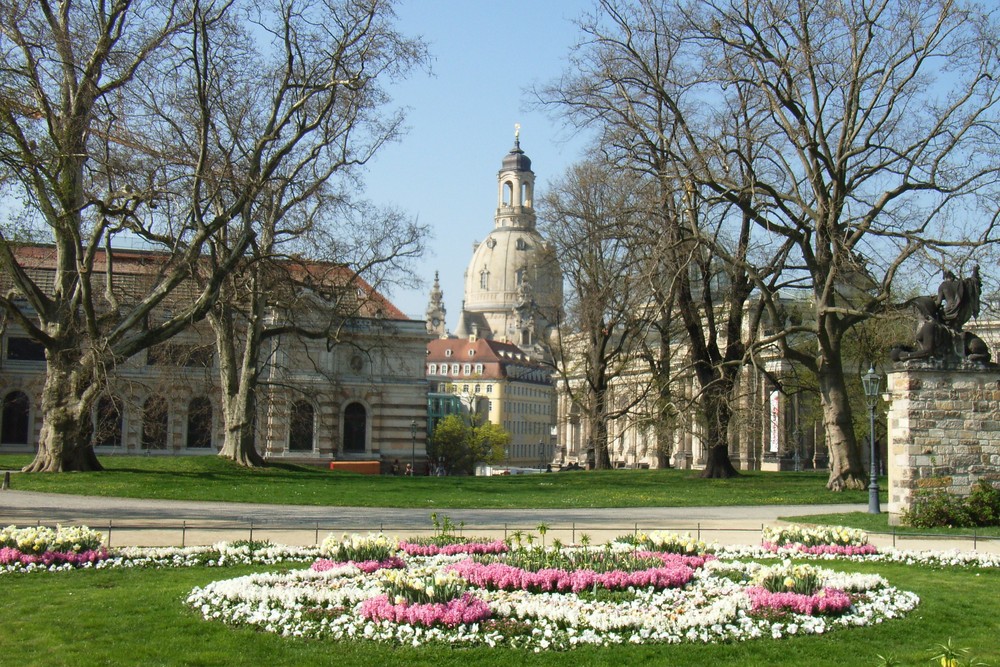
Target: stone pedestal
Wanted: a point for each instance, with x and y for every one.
(944, 431)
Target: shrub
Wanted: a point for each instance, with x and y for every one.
(984, 504)
(942, 509)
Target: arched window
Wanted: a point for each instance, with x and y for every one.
(199, 426)
(108, 425)
(154, 423)
(508, 193)
(355, 427)
(14, 427)
(484, 280)
(525, 194)
(300, 428)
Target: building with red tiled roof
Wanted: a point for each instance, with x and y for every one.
(359, 396)
(498, 382)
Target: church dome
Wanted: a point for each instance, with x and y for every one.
(512, 264)
(516, 160)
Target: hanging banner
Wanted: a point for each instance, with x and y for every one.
(775, 421)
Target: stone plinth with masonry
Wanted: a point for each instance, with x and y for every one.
(944, 431)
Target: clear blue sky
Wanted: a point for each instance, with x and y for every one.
(461, 125)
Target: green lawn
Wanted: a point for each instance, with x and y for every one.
(115, 617)
(129, 617)
(210, 478)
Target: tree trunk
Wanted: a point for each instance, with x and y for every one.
(238, 369)
(846, 468)
(599, 431)
(65, 440)
(240, 443)
(716, 415)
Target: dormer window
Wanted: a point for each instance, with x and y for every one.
(484, 280)
(447, 353)
(521, 244)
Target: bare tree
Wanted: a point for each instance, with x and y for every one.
(874, 137)
(134, 119)
(694, 248)
(278, 297)
(323, 92)
(588, 215)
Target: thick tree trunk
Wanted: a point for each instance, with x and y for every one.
(240, 443)
(65, 440)
(599, 432)
(846, 468)
(716, 415)
(238, 366)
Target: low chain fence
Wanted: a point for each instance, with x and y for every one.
(161, 533)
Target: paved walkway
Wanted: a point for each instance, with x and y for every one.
(128, 521)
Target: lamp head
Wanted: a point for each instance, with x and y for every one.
(871, 381)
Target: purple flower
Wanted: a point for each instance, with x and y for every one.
(366, 566)
(12, 556)
(497, 576)
(828, 601)
(460, 611)
(820, 549)
(472, 548)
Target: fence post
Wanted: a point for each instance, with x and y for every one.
(251, 530)
(317, 534)
(574, 533)
(699, 531)
(109, 533)
(184, 526)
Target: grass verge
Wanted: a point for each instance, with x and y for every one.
(210, 478)
(116, 617)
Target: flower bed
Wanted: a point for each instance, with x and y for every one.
(471, 548)
(38, 540)
(484, 600)
(12, 558)
(425, 599)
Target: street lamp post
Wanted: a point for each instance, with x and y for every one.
(413, 448)
(871, 381)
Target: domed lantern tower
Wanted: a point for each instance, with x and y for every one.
(513, 284)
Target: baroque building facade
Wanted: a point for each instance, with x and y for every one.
(359, 398)
(776, 424)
